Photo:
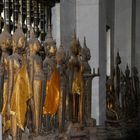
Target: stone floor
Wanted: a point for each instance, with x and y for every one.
(53, 137)
(131, 131)
(94, 135)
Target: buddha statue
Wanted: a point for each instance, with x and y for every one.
(85, 57)
(117, 80)
(75, 81)
(36, 78)
(19, 88)
(51, 83)
(5, 43)
(61, 67)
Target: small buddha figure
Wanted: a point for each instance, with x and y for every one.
(75, 81)
(5, 43)
(36, 78)
(130, 105)
(136, 87)
(117, 80)
(111, 113)
(19, 89)
(61, 67)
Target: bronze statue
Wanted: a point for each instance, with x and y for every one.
(117, 80)
(129, 93)
(51, 86)
(85, 57)
(5, 43)
(19, 89)
(75, 82)
(111, 111)
(61, 66)
(36, 78)
(136, 87)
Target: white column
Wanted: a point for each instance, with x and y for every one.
(67, 21)
(108, 52)
(90, 22)
(137, 36)
(123, 31)
(56, 23)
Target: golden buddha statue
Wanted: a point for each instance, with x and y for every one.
(52, 82)
(36, 78)
(5, 43)
(75, 81)
(19, 89)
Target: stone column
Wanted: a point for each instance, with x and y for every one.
(137, 37)
(123, 31)
(91, 23)
(67, 21)
(56, 23)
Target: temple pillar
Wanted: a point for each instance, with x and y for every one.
(91, 23)
(67, 21)
(56, 23)
(137, 37)
(123, 31)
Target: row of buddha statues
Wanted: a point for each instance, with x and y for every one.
(122, 93)
(42, 93)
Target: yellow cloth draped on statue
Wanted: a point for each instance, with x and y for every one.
(77, 83)
(5, 95)
(52, 99)
(22, 92)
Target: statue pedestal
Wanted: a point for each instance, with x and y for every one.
(76, 131)
(90, 122)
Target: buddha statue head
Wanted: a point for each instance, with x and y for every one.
(85, 52)
(60, 55)
(18, 39)
(50, 43)
(127, 71)
(5, 39)
(74, 48)
(34, 44)
(118, 59)
(135, 71)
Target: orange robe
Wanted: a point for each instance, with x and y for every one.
(52, 99)
(21, 94)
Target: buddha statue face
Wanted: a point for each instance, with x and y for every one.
(3, 45)
(74, 49)
(21, 42)
(52, 50)
(60, 55)
(5, 40)
(8, 42)
(35, 47)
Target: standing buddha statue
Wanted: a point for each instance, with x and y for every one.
(76, 81)
(36, 78)
(85, 55)
(52, 81)
(19, 88)
(5, 43)
(61, 67)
